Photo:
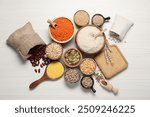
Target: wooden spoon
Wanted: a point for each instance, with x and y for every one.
(106, 41)
(100, 33)
(53, 24)
(37, 82)
(108, 86)
(46, 76)
(105, 84)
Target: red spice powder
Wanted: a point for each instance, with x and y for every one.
(64, 29)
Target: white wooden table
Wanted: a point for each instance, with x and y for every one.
(16, 75)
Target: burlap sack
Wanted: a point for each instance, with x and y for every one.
(24, 39)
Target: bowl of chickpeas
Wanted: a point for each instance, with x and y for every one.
(88, 66)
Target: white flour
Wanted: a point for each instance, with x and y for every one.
(87, 41)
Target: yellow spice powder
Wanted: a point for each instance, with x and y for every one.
(55, 70)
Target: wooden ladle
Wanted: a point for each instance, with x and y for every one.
(37, 82)
(108, 86)
(100, 33)
(105, 84)
(106, 41)
(46, 75)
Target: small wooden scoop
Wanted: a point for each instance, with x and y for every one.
(100, 33)
(106, 41)
(37, 82)
(53, 24)
(105, 84)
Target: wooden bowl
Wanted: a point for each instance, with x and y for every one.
(47, 52)
(51, 36)
(91, 60)
(49, 77)
(102, 17)
(72, 66)
(83, 18)
(89, 53)
(91, 87)
(68, 80)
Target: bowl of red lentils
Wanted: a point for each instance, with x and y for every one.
(64, 30)
(88, 66)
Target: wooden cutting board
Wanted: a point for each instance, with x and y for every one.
(119, 63)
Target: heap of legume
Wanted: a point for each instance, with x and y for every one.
(38, 57)
(87, 82)
(72, 75)
(72, 57)
(64, 29)
(88, 66)
(54, 51)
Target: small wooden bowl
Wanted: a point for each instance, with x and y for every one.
(104, 19)
(89, 53)
(60, 54)
(92, 88)
(81, 17)
(55, 77)
(70, 81)
(94, 66)
(62, 41)
(72, 66)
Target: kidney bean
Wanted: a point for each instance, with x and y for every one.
(38, 70)
(35, 70)
(37, 54)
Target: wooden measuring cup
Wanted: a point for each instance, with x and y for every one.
(47, 76)
(88, 87)
(105, 84)
(99, 20)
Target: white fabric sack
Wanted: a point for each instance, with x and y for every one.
(120, 27)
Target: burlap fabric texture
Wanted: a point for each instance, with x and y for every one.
(24, 39)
